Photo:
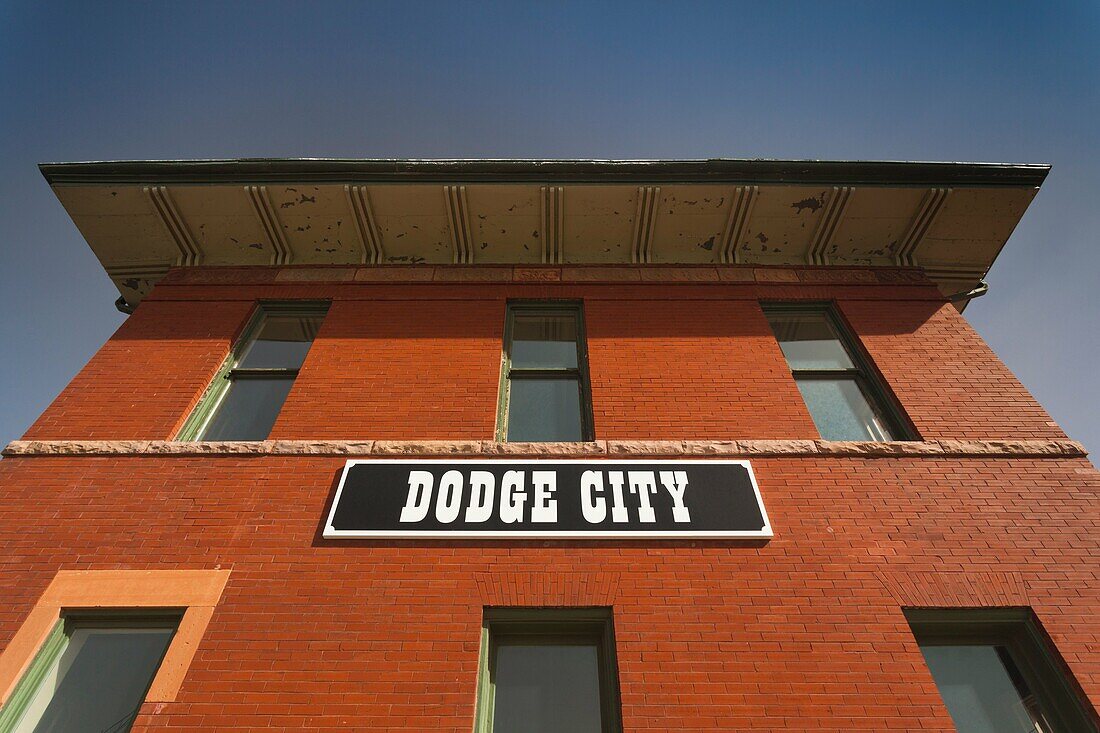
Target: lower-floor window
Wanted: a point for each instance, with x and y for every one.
(90, 675)
(995, 673)
(548, 670)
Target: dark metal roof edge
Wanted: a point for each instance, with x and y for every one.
(722, 171)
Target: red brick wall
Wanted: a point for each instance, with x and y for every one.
(705, 369)
(667, 361)
(146, 379)
(803, 632)
(950, 382)
(399, 370)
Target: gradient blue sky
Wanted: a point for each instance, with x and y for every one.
(875, 80)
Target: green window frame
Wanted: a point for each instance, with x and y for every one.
(50, 652)
(1032, 661)
(889, 420)
(549, 626)
(511, 373)
(231, 371)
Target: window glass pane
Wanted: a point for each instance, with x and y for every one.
(282, 342)
(841, 411)
(547, 689)
(248, 410)
(544, 410)
(544, 341)
(809, 341)
(977, 685)
(98, 682)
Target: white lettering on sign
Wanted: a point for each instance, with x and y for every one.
(618, 504)
(483, 485)
(676, 482)
(545, 507)
(420, 496)
(641, 486)
(593, 505)
(644, 485)
(512, 497)
(449, 503)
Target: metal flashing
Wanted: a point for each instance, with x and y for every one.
(258, 171)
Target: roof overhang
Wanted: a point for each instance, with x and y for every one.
(143, 217)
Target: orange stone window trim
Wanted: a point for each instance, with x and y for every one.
(196, 592)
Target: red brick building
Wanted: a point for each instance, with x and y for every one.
(701, 446)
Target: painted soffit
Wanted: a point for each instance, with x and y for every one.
(143, 217)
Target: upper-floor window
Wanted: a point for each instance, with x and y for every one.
(247, 394)
(995, 672)
(544, 386)
(841, 392)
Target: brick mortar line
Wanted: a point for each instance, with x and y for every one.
(600, 448)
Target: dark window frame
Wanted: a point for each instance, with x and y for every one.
(863, 372)
(207, 407)
(549, 626)
(572, 308)
(1032, 652)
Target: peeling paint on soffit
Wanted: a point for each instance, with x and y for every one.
(141, 218)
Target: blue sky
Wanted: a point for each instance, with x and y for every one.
(875, 80)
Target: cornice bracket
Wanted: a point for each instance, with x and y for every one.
(174, 224)
(261, 204)
(645, 218)
(930, 208)
(744, 199)
(552, 210)
(370, 238)
(835, 207)
(459, 218)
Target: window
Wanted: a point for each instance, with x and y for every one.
(245, 397)
(843, 397)
(91, 674)
(547, 671)
(544, 388)
(995, 672)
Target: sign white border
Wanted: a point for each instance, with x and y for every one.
(331, 532)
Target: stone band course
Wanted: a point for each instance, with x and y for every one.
(619, 448)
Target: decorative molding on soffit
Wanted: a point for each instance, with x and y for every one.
(929, 209)
(744, 200)
(820, 249)
(265, 212)
(945, 274)
(645, 218)
(836, 204)
(175, 226)
(459, 218)
(596, 273)
(597, 448)
(138, 279)
(362, 214)
(552, 212)
(143, 271)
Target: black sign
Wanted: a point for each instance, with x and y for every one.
(585, 499)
